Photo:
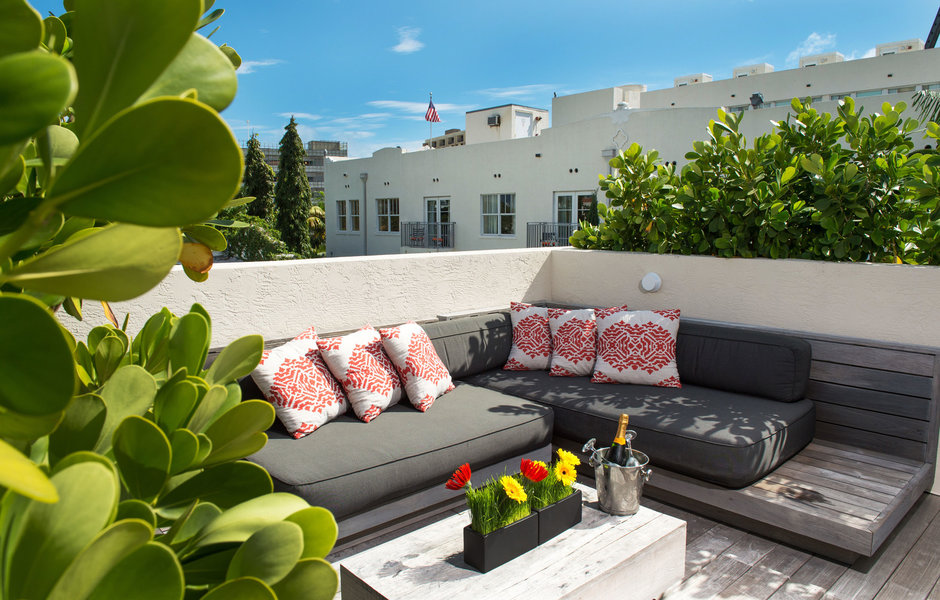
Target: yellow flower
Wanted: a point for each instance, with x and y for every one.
(513, 489)
(565, 472)
(540, 463)
(567, 457)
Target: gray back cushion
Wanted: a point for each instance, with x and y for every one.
(471, 345)
(770, 365)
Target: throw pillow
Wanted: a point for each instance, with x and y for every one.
(294, 378)
(421, 370)
(637, 347)
(531, 338)
(365, 372)
(574, 342)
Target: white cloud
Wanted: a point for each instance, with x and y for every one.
(250, 66)
(521, 91)
(408, 40)
(300, 115)
(870, 53)
(418, 107)
(813, 44)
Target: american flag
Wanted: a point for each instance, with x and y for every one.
(431, 115)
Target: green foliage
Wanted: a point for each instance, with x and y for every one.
(121, 459)
(490, 507)
(843, 187)
(258, 241)
(258, 182)
(317, 224)
(928, 103)
(292, 193)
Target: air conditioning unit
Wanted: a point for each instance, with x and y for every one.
(493, 121)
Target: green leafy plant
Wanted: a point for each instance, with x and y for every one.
(258, 181)
(259, 240)
(292, 194)
(495, 504)
(120, 458)
(843, 187)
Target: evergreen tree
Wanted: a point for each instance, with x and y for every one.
(258, 181)
(292, 194)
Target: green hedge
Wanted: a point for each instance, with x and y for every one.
(823, 187)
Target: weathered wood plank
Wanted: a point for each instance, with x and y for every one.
(767, 575)
(869, 574)
(919, 571)
(863, 456)
(838, 520)
(866, 420)
(811, 580)
(887, 471)
(912, 407)
(695, 525)
(822, 493)
(872, 441)
(901, 504)
(874, 379)
(902, 361)
(815, 500)
(723, 571)
(802, 476)
(708, 547)
(875, 475)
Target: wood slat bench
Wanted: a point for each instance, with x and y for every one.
(872, 458)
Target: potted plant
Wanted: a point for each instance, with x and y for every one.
(502, 526)
(551, 495)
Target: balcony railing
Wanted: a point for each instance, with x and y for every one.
(549, 235)
(427, 235)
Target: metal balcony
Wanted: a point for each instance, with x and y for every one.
(549, 235)
(427, 235)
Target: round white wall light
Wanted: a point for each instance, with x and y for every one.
(651, 282)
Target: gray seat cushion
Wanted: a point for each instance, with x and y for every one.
(348, 466)
(723, 437)
(471, 345)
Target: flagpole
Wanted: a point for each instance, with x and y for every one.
(430, 122)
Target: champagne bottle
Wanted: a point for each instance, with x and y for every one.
(618, 449)
(631, 460)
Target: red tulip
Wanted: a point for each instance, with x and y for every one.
(533, 471)
(460, 478)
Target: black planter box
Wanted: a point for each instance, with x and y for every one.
(557, 517)
(486, 552)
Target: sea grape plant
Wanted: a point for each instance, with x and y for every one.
(121, 471)
(841, 187)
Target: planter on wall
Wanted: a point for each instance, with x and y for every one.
(486, 552)
(559, 516)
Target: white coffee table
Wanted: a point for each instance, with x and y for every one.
(602, 557)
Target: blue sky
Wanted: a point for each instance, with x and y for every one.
(360, 72)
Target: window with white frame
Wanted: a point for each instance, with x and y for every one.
(386, 211)
(498, 214)
(354, 215)
(341, 222)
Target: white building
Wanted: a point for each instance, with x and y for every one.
(517, 182)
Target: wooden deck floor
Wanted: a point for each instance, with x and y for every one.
(724, 562)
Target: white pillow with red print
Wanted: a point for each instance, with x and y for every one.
(531, 338)
(367, 375)
(294, 378)
(637, 346)
(574, 342)
(420, 368)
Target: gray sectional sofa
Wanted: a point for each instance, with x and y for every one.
(740, 413)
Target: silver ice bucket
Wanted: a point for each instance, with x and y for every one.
(619, 489)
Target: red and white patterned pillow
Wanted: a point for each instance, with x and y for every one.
(531, 338)
(367, 375)
(574, 342)
(421, 370)
(294, 378)
(637, 347)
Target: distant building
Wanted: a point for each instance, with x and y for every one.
(451, 137)
(517, 182)
(316, 153)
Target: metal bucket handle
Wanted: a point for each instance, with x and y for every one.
(595, 459)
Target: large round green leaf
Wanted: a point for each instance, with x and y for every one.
(17, 426)
(37, 375)
(236, 360)
(185, 446)
(269, 554)
(200, 66)
(21, 475)
(189, 343)
(238, 523)
(34, 88)
(320, 530)
(116, 262)
(128, 393)
(239, 432)
(167, 162)
(20, 27)
(191, 523)
(245, 588)
(120, 50)
(225, 486)
(54, 34)
(149, 573)
(208, 409)
(99, 557)
(174, 404)
(80, 429)
(311, 579)
(54, 534)
(136, 509)
(142, 453)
